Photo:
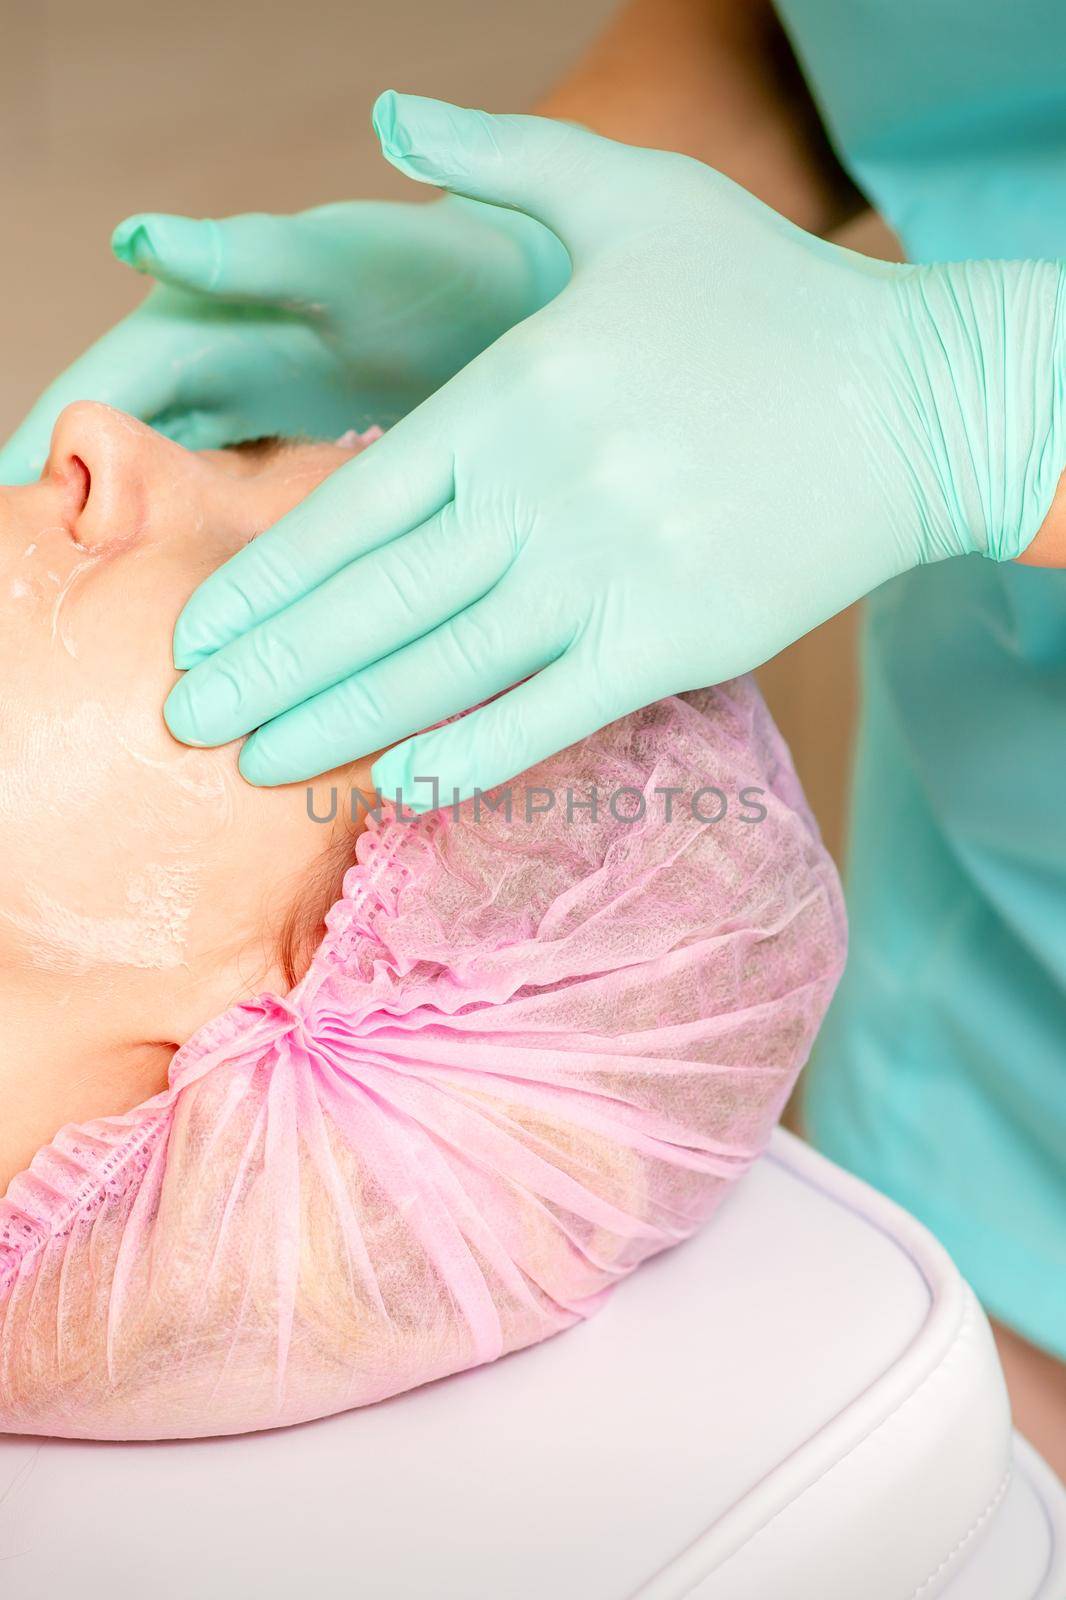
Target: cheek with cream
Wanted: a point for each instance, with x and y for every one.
(107, 832)
(142, 883)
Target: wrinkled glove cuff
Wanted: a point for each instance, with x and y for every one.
(990, 382)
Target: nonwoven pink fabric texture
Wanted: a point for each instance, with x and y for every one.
(528, 1054)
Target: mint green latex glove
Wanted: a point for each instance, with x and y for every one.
(721, 432)
(314, 324)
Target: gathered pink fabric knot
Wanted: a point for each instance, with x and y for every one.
(285, 1013)
(530, 1051)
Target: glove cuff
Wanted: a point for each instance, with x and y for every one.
(991, 381)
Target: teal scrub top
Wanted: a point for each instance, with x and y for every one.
(941, 1073)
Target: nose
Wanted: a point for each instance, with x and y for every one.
(100, 463)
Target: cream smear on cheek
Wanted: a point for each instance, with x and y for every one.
(23, 588)
(55, 591)
(70, 764)
(151, 931)
(38, 746)
(58, 631)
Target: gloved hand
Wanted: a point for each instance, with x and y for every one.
(315, 323)
(720, 433)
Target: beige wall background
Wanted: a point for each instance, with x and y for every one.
(219, 106)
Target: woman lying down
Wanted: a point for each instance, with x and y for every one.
(441, 1083)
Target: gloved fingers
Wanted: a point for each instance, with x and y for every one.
(361, 615)
(235, 377)
(201, 378)
(129, 369)
(255, 259)
(400, 483)
(561, 704)
(202, 427)
(564, 176)
(492, 644)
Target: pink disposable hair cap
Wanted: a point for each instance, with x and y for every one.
(528, 1054)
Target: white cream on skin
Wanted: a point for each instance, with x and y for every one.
(51, 764)
(51, 760)
(38, 747)
(57, 630)
(151, 932)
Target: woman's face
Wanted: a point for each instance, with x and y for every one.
(140, 880)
